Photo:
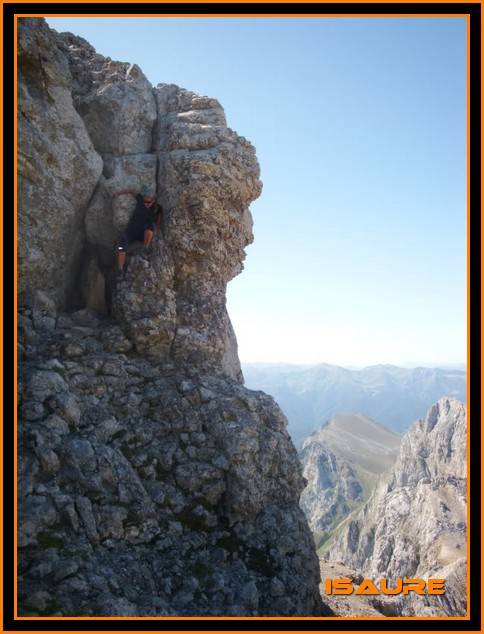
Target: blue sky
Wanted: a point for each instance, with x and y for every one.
(360, 130)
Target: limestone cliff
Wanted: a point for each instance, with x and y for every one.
(414, 524)
(342, 462)
(58, 171)
(151, 482)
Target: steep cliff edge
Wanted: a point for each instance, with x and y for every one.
(414, 524)
(151, 482)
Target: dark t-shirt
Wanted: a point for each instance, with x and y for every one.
(143, 217)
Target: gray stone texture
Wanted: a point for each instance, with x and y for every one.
(58, 170)
(152, 488)
(151, 482)
(414, 524)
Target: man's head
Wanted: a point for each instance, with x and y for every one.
(148, 196)
(148, 200)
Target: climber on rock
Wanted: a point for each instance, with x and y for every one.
(145, 217)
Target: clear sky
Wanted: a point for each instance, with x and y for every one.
(360, 130)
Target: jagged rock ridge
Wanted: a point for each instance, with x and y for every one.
(151, 482)
(342, 462)
(414, 524)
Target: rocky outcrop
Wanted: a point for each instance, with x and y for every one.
(147, 490)
(332, 491)
(342, 462)
(151, 482)
(178, 144)
(207, 176)
(90, 114)
(58, 170)
(414, 525)
(115, 100)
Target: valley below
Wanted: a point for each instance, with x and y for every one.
(387, 506)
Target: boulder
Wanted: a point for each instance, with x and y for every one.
(114, 99)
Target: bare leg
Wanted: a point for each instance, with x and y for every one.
(148, 237)
(121, 260)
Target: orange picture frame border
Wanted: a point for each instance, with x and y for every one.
(472, 13)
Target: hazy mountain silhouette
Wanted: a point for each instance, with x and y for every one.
(395, 396)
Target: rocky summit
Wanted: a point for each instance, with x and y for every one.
(151, 481)
(414, 524)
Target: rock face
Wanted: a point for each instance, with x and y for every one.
(414, 525)
(332, 491)
(148, 490)
(207, 177)
(342, 462)
(178, 144)
(151, 482)
(58, 171)
(114, 99)
(93, 128)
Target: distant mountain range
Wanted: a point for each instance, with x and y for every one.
(395, 396)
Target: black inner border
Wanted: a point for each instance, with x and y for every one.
(369, 9)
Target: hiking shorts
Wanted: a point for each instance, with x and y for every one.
(136, 234)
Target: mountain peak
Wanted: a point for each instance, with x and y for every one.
(341, 463)
(414, 524)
